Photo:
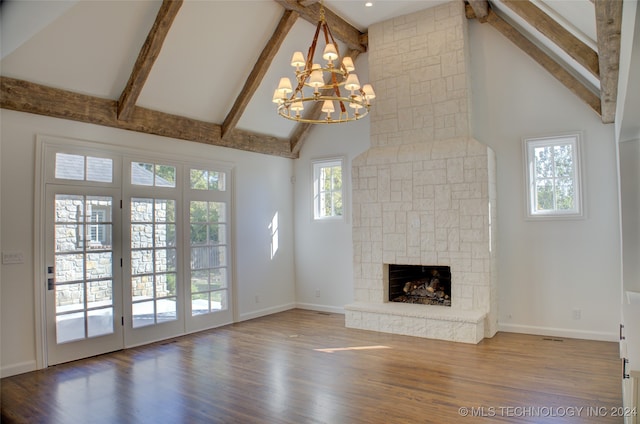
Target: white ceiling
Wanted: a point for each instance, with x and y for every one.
(90, 47)
(362, 17)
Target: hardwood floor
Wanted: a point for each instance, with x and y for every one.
(306, 367)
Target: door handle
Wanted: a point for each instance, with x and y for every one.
(625, 361)
(51, 281)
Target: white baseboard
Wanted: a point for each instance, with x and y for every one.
(20, 368)
(559, 332)
(266, 311)
(320, 308)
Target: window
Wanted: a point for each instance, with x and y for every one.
(97, 233)
(327, 189)
(150, 174)
(83, 168)
(553, 176)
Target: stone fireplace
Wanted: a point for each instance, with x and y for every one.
(424, 193)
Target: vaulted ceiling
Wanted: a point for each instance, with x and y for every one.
(205, 71)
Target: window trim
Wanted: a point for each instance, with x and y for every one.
(326, 161)
(530, 143)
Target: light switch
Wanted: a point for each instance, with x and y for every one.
(12, 258)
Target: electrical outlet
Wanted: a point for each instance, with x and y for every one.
(257, 299)
(577, 314)
(317, 292)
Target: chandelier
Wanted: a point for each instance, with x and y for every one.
(323, 87)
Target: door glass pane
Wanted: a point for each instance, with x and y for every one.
(83, 266)
(219, 300)
(100, 322)
(142, 288)
(69, 237)
(70, 327)
(69, 297)
(99, 265)
(143, 314)
(69, 267)
(200, 303)
(218, 278)
(166, 309)
(165, 285)
(99, 294)
(141, 262)
(142, 235)
(165, 260)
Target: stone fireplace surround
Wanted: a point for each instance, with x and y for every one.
(424, 193)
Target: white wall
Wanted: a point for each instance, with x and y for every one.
(546, 270)
(324, 253)
(262, 187)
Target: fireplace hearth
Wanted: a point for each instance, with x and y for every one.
(420, 284)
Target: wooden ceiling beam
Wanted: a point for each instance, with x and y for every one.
(480, 9)
(301, 131)
(608, 28)
(259, 71)
(561, 74)
(341, 29)
(555, 32)
(24, 96)
(147, 57)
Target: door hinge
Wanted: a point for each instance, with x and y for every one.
(122, 320)
(120, 203)
(120, 262)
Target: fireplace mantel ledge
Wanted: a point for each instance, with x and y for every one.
(442, 313)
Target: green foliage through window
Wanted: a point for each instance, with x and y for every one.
(328, 198)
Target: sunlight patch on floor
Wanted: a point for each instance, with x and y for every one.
(338, 349)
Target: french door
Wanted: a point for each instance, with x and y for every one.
(83, 278)
(136, 250)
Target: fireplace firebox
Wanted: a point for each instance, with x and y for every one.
(421, 284)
